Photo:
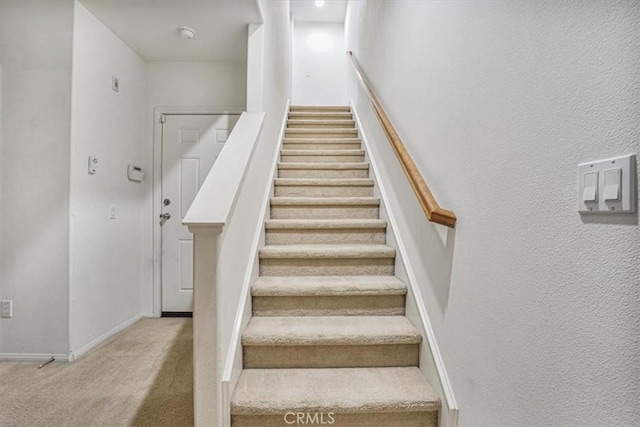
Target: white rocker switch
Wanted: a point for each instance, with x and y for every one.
(612, 184)
(608, 186)
(590, 193)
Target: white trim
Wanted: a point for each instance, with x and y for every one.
(156, 174)
(451, 404)
(231, 373)
(260, 11)
(32, 357)
(102, 338)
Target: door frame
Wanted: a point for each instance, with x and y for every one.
(158, 112)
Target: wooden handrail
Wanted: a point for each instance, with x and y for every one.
(427, 201)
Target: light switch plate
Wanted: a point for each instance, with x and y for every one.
(6, 309)
(92, 164)
(620, 171)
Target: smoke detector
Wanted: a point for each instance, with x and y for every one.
(187, 33)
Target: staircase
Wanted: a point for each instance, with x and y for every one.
(328, 342)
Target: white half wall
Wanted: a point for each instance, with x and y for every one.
(105, 253)
(536, 308)
(36, 54)
(226, 262)
(235, 253)
(319, 64)
(180, 84)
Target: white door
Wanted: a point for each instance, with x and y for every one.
(190, 146)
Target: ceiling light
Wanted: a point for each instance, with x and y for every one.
(187, 33)
(319, 3)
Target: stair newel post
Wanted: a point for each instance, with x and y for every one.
(207, 362)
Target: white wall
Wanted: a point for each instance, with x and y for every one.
(181, 84)
(1, 222)
(195, 84)
(105, 254)
(538, 317)
(319, 70)
(35, 53)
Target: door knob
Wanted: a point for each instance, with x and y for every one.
(165, 216)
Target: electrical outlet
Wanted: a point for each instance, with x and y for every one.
(6, 308)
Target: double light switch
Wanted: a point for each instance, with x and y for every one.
(607, 185)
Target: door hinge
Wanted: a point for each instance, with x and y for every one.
(163, 118)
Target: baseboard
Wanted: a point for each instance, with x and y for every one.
(102, 338)
(233, 363)
(32, 357)
(436, 371)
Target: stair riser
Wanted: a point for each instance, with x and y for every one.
(288, 158)
(349, 305)
(330, 356)
(310, 416)
(318, 145)
(327, 267)
(324, 212)
(309, 133)
(320, 116)
(323, 173)
(323, 191)
(323, 109)
(318, 124)
(325, 236)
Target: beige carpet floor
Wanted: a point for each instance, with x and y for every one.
(141, 377)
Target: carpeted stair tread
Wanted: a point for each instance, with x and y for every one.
(329, 330)
(320, 108)
(330, 201)
(320, 114)
(301, 165)
(322, 152)
(327, 182)
(311, 132)
(339, 390)
(327, 286)
(323, 140)
(340, 251)
(299, 121)
(330, 224)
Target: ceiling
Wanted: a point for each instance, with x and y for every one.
(306, 11)
(150, 27)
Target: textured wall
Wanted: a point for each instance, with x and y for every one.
(35, 52)
(105, 254)
(498, 102)
(319, 71)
